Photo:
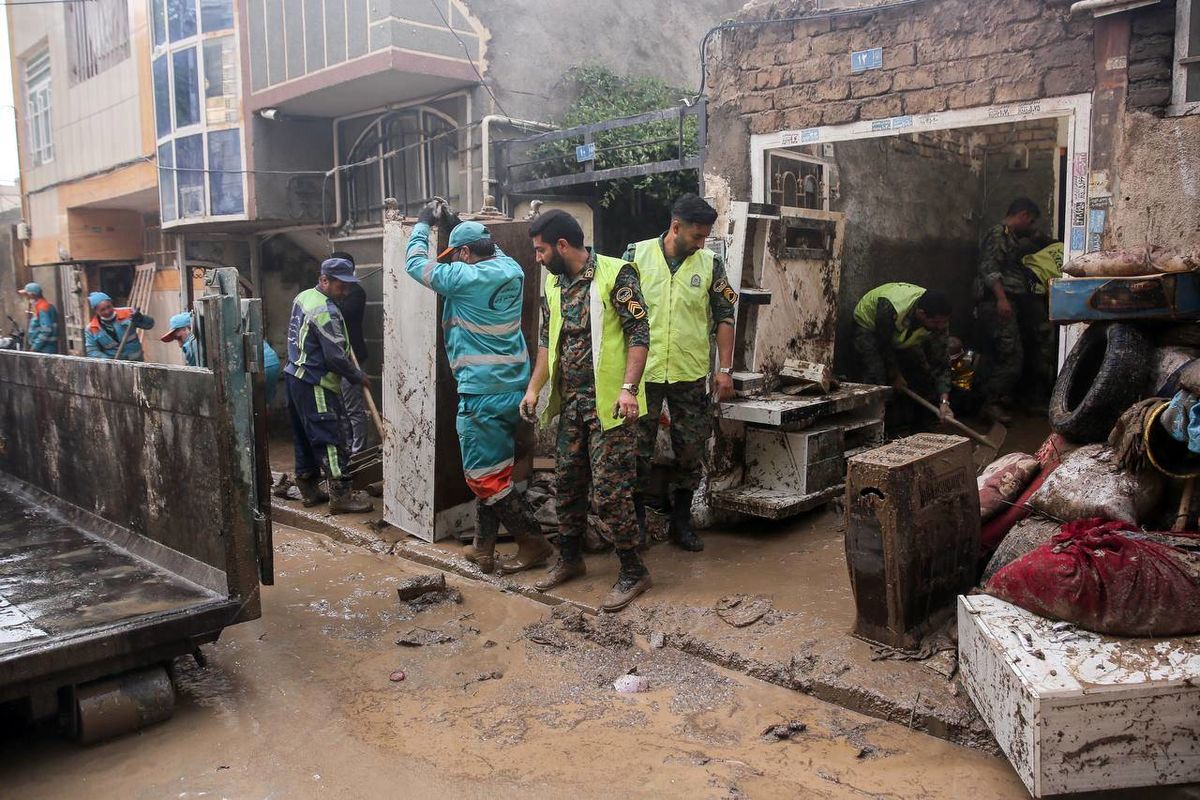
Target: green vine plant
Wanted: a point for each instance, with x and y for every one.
(600, 95)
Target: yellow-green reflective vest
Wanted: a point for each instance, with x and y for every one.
(608, 344)
(680, 316)
(1046, 265)
(903, 297)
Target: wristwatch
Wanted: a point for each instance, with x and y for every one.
(726, 370)
(632, 388)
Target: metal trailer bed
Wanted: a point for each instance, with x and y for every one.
(132, 524)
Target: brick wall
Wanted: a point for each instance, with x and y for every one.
(940, 55)
(1151, 51)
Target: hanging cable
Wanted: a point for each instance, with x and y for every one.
(470, 59)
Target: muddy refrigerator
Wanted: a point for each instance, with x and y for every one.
(424, 491)
(134, 529)
(779, 454)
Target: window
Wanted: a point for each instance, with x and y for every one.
(224, 171)
(216, 15)
(158, 20)
(37, 110)
(197, 93)
(796, 181)
(162, 97)
(424, 162)
(1186, 89)
(187, 88)
(189, 175)
(220, 81)
(97, 37)
(166, 182)
(181, 19)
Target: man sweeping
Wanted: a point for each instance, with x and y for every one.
(481, 320)
(109, 335)
(900, 340)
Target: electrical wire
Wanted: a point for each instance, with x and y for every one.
(470, 59)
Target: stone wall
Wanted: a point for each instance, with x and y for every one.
(1158, 196)
(949, 55)
(1151, 52)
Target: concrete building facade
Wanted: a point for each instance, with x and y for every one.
(262, 134)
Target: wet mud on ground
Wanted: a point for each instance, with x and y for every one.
(501, 697)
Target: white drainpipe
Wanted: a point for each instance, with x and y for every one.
(485, 166)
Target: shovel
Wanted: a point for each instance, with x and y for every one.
(991, 445)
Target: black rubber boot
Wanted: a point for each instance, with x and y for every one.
(681, 521)
(633, 579)
(532, 548)
(482, 552)
(310, 490)
(569, 564)
(343, 499)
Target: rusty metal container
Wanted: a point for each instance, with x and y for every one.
(912, 535)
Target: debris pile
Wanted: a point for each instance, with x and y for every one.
(1066, 528)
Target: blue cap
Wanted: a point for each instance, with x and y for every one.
(33, 288)
(339, 269)
(181, 320)
(465, 233)
(96, 298)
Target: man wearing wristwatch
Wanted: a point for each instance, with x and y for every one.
(689, 300)
(591, 350)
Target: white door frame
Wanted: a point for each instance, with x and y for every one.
(1077, 109)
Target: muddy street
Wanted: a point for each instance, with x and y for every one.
(501, 696)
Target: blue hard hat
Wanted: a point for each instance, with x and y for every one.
(181, 320)
(33, 288)
(96, 298)
(339, 269)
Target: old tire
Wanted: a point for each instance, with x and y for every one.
(1104, 375)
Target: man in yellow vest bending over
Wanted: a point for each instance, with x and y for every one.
(900, 339)
(592, 350)
(689, 299)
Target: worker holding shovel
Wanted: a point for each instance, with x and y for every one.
(900, 340)
(110, 333)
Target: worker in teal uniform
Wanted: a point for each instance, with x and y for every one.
(43, 321)
(181, 331)
(104, 333)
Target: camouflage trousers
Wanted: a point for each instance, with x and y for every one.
(1019, 350)
(691, 427)
(915, 363)
(604, 460)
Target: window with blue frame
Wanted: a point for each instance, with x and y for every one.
(166, 182)
(225, 171)
(197, 93)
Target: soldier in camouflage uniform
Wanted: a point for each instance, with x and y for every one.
(689, 300)
(1006, 312)
(592, 349)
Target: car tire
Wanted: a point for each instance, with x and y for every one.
(1102, 377)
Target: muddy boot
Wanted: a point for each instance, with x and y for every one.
(344, 500)
(681, 521)
(482, 552)
(569, 565)
(633, 579)
(532, 548)
(310, 490)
